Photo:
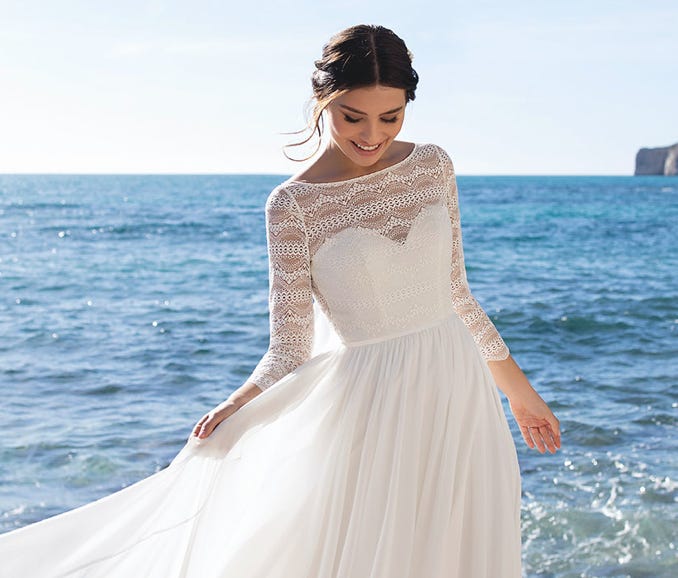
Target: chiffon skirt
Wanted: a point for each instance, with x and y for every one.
(387, 459)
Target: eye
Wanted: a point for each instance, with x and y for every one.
(354, 120)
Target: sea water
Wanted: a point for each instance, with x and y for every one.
(131, 305)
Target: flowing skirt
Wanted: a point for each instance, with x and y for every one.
(387, 459)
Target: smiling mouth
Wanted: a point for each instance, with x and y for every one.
(367, 149)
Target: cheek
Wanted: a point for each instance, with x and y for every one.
(395, 127)
(333, 122)
(341, 127)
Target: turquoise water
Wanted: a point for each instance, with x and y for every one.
(130, 305)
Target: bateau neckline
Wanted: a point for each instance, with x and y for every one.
(360, 177)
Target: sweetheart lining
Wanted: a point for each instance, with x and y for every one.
(367, 230)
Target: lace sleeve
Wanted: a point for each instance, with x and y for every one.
(290, 297)
(484, 332)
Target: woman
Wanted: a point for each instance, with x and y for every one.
(380, 451)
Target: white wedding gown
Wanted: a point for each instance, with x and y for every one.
(379, 447)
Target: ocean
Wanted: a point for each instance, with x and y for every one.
(131, 305)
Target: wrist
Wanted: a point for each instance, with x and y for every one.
(232, 401)
(237, 399)
(510, 379)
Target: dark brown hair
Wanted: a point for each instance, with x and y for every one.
(359, 56)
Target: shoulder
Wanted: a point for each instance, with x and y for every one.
(281, 201)
(278, 196)
(442, 155)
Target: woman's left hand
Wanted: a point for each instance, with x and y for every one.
(540, 428)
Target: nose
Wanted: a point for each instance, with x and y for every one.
(370, 133)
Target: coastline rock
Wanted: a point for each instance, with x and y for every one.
(657, 161)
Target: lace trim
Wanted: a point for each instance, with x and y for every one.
(360, 177)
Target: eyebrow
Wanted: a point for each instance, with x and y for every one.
(361, 112)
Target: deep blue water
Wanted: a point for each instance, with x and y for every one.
(130, 305)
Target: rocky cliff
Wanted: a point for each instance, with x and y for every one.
(657, 161)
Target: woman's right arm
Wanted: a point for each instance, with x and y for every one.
(290, 307)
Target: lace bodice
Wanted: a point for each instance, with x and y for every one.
(304, 221)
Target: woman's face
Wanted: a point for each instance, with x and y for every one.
(365, 121)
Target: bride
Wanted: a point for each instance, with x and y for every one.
(370, 439)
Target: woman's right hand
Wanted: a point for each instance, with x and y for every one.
(208, 422)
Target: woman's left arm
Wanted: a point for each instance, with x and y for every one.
(540, 428)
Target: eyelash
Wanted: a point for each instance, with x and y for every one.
(353, 120)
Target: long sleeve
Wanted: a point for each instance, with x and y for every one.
(484, 332)
(290, 295)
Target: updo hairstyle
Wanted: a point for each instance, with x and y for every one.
(360, 56)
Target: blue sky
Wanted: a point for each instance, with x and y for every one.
(520, 87)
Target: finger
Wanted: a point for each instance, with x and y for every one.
(208, 426)
(547, 435)
(527, 437)
(556, 436)
(538, 439)
(555, 426)
(202, 430)
(200, 426)
(552, 420)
